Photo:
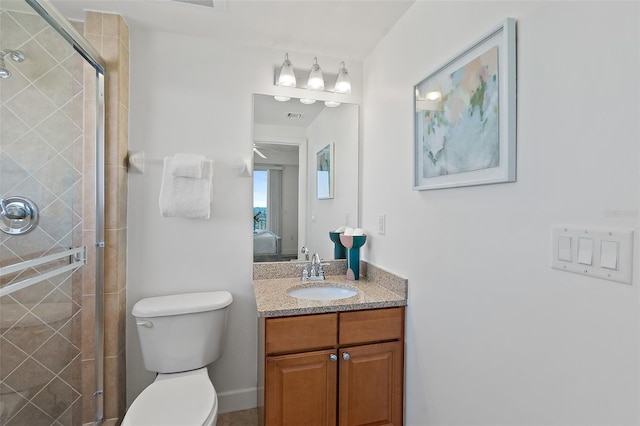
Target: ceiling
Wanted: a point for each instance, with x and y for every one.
(335, 28)
(268, 111)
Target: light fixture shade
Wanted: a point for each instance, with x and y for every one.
(307, 101)
(331, 104)
(281, 98)
(287, 77)
(343, 82)
(316, 81)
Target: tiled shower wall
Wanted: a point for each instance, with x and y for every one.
(109, 34)
(47, 342)
(41, 157)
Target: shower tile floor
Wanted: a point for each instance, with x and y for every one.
(239, 418)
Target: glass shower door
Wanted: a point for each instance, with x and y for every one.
(41, 222)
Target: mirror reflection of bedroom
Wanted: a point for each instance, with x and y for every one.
(275, 202)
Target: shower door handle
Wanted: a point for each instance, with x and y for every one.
(13, 211)
(18, 215)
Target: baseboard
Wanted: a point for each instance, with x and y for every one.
(236, 400)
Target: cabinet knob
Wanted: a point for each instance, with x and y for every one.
(333, 357)
(346, 356)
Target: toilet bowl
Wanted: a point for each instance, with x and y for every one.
(179, 335)
(177, 399)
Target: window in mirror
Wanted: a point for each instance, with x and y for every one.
(259, 200)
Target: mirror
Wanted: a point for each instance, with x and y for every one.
(290, 139)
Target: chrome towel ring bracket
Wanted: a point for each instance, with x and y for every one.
(19, 215)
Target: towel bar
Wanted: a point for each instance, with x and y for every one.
(136, 162)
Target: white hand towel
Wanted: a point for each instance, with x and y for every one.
(187, 165)
(186, 197)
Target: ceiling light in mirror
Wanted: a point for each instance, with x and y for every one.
(331, 104)
(282, 98)
(307, 101)
(287, 77)
(433, 96)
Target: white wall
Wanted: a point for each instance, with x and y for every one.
(494, 335)
(190, 94)
(338, 126)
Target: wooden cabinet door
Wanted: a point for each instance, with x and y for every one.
(300, 389)
(371, 384)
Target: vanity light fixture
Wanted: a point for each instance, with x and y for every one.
(287, 75)
(343, 83)
(316, 81)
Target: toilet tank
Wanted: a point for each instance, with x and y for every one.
(182, 332)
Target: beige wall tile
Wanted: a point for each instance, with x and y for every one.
(111, 134)
(88, 327)
(111, 325)
(122, 259)
(93, 23)
(112, 387)
(123, 135)
(112, 197)
(111, 25)
(122, 197)
(88, 388)
(124, 32)
(111, 261)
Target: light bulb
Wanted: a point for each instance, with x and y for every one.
(307, 101)
(282, 98)
(287, 77)
(331, 104)
(316, 81)
(343, 83)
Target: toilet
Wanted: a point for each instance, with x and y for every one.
(180, 335)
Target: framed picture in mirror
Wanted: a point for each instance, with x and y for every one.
(325, 172)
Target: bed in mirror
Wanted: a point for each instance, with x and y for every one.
(288, 214)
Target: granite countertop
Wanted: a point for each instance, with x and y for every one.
(380, 289)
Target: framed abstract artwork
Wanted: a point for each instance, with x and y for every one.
(465, 116)
(325, 175)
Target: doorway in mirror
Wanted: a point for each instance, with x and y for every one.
(275, 202)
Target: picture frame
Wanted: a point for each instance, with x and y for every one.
(325, 172)
(465, 116)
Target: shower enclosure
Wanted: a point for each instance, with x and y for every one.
(51, 218)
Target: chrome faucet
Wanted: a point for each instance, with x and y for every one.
(312, 271)
(316, 273)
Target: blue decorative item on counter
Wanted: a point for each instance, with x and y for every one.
(353, 244)
(339, 251)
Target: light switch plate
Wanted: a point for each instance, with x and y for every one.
(591, 240)
(381, 224)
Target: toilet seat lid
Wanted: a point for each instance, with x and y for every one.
(183, 401)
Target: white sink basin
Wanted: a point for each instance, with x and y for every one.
(322, 291)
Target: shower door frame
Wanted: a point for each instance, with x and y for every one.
(59, 23)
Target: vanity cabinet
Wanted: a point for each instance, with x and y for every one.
(342, 368)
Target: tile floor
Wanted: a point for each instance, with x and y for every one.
(239, 418)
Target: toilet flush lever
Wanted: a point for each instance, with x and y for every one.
(147, 324)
